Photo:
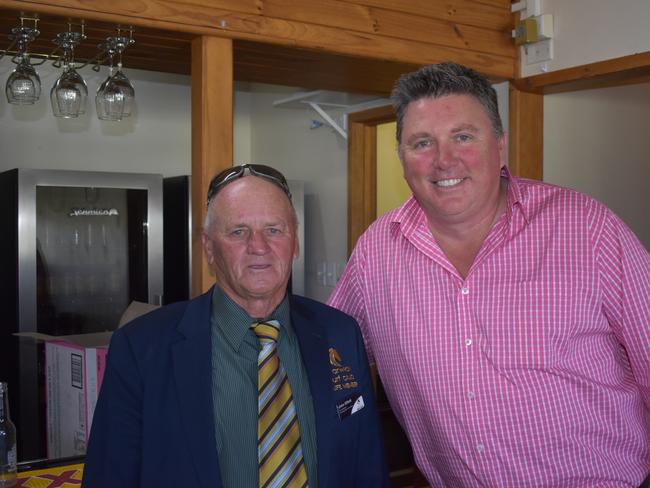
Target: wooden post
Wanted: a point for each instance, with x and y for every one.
(526, 138)
(212, 135)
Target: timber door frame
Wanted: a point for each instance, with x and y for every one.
(362, 169)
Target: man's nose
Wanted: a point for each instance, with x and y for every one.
(257, 243)
(446, 156)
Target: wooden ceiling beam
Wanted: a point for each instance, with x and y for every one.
(400, 37)
(492, 14)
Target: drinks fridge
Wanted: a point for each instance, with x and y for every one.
(76, 249)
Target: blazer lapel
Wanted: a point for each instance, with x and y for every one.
(192, 374)
(314, 350)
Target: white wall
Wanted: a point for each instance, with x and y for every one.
(242, 128)
(155, 139)
(596, 141)
(587, 31)
(503, 101)
(282, 138)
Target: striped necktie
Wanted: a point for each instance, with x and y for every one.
(279, 450)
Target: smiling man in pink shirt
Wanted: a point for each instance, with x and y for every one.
(509, 319)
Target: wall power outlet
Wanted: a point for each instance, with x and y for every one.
(538, 52)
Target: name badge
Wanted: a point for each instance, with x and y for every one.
(350, 406)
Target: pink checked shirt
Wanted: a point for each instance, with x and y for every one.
(532, 371)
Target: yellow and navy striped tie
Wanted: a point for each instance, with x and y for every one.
(278, 436)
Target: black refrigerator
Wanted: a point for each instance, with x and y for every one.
(77, 248)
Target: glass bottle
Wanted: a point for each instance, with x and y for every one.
(7, 441)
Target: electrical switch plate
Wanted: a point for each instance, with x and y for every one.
(538, 52)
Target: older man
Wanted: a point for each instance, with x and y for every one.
(246, 385)
(509, 319)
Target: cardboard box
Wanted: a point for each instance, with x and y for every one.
(74, 372)
(74, 369)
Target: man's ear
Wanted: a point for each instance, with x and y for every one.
(503, 148)
(296, 250)
(208, 247)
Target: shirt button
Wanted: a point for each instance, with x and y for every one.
(470, 395)
(480, 448)
(464, 290)
(468, 342)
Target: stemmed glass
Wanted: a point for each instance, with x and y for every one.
(109, 101)
(70, 92)
(125, 87)
(115, 96)
(23, 85)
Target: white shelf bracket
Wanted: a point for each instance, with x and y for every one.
(329, 120)
(322, 100)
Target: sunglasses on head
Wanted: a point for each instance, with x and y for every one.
(231, 174)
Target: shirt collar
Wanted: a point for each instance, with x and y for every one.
(514, 196)
(407, 218)
(234, 322)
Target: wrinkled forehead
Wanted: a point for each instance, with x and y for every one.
(251, 188)
(255, 198)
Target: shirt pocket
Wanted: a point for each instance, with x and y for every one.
(528, 325)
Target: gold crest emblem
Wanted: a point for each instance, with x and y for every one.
(335, 358)
(342, 377)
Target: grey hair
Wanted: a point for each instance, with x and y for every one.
(439, 80)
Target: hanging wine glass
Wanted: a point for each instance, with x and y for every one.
(108, 100)
(115, 96)
(23, 86)
(70, 92)
(124, 85)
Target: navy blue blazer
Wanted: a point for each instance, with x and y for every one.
(154, 422)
